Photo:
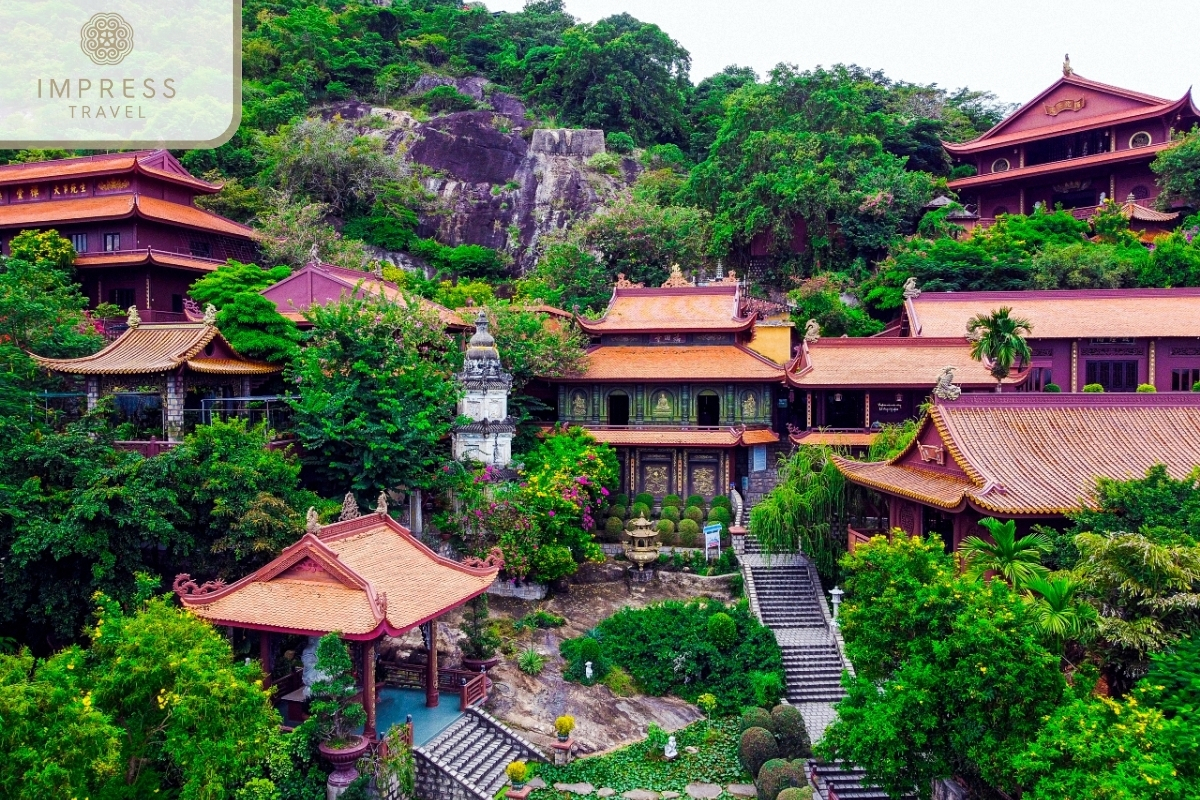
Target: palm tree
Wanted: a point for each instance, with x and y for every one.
(1052, 603)
(1016, 560)
(998, 342)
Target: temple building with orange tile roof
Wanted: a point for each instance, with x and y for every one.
(1028, 457)
(140, 238)
(185, 362)
(684, 381)
(1117, 338)
(365, 577)
(1075, 144)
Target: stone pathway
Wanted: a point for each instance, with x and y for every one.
(695, 791)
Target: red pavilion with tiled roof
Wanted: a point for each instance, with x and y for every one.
(1077, 142)
(684, 382)
(365, 577)
(1029, 457)
(140, 239)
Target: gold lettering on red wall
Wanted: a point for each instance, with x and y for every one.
(60, 190)
(1055, 109)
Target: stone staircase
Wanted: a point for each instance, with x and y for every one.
(467, 760)
(787, 597)
(836, 782)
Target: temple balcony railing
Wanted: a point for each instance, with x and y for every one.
(861, 530)
(88, 255)
(471, 687)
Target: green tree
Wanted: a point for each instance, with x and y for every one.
(256, 329)
(1056, 610)
(377, 394)
(230, 280)
(643, 240)
(706, 106)
(616, 74)
(567, 276)
(1178, 170)
(998, 342)
(333, 706)
(798, 513)
(1016, 560)
(1086, 265)
(820, 298)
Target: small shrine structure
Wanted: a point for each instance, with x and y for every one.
(1028, 457)
(488, 437)
(184, 360)
(366, 577)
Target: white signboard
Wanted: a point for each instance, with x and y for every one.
(712, 539)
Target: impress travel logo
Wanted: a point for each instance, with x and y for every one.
(120, 73)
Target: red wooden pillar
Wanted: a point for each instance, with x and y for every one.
(264, 654)
(431, 668)
(368, 671)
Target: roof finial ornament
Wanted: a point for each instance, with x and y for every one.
(312, 523)
(945, 389)
(911, 290)
(812, 332)
(381, 505)
(1067, 70)
(349, 508)
(210, 314)
(314, 254)
(676, 279)
(133, 320)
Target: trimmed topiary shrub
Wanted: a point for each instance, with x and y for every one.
(639, 509)
(790, 732)
(613, 528)
(672, 500)
(1094, 388)
(755, 717)
(695, 500)
(665, 527)
(621, 500)
(757, 748)
(1146, 388)
(720, 515)
(777, 775)
(645, 498)
(722, 630)
(671, 513)
(1052, 388)
(689, 532)
(695, 514)
(723, 501)
(796, 793)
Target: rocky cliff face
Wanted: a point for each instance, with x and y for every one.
(499, 182)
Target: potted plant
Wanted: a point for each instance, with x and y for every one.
(336, 714)
(479, 649)
(563, 727)
(518, 772)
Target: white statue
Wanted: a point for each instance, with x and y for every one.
(911, 290)
(945, 389)
(210, 314)
(671, 750)
(587, 670)
(812, 331)
(133, 320)
(312, 523)
(308, 658)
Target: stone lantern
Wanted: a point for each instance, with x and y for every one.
(642, 547)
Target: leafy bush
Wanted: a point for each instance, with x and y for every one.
(722, 501)
(671, 513)
(656, 739)
(689, 532)
(553, 561)
(636, 639)
(531, 662)
(446, 99)
(613, 528)
(1052, 388)
(608, 163)
(564, 724)
(767, 687)
(755, 717)
(644, 498)
(796, 793)
(336, 713)
(666, 527)
(619, 142)
(621, 500)
(695, 514)
(577, 653)
(1094, 388)
(790, 732)
(618, 510)
(1146, 388)
(540, 619)
(722, 630)
(695, 500)
(778, 775)
(721, 515)
(620, 682)
(756, 748)
(482, 640)
(672, 500)
(639, 509)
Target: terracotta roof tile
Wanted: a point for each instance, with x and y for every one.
(759, 436)
(104, 164)
(149, 349)
(695, 362)
(192, 217)
(1041, 454)
(637, 310)
(834, 438)
(889, 362)
(1064, 314)
(63, 211)
(160, 257)
(363, 577)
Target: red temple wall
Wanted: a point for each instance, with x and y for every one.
(1096, 105)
